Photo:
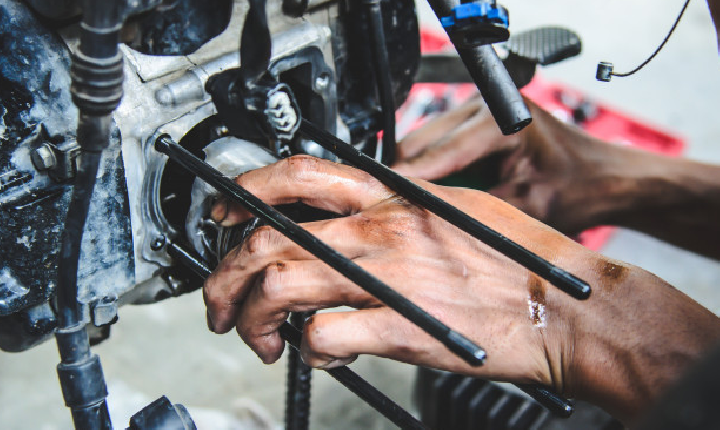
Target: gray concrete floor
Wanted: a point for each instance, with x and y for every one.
(165, 348)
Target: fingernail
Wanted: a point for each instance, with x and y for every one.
(210, 324)
(219, 210)
(335, 362)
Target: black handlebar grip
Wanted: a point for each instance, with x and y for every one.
(497, 87)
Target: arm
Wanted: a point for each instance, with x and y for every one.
(613, 349)
(563, 177)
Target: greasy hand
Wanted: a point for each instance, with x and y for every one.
(517, 317)
(543, 172)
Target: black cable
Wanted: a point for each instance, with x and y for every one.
(563, 280)
(69, 313)
(383, 77)
(454, 341)
(351, 380)
(660, 47)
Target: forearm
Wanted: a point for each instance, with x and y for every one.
(633, 338)
(675, 200)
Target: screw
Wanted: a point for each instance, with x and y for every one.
(322, 82)
(43, 158)
(158, 243)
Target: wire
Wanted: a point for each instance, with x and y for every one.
(662, 45)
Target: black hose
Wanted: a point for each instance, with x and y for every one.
(383, 78)
(69, 313)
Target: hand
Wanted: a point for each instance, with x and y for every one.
(612, 348)
(546, 169)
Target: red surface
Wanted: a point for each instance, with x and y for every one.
(608, 124)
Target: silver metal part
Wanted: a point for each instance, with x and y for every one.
(43, 157)
(166, 95)
(232, 157)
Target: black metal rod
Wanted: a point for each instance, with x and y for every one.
(454, 341)
(491, 77)
(560, 278)
(363, 389)
(299, 379)
(351, 380)
(383, 78)
(557, 405)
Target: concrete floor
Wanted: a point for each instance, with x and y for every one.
(165, 348)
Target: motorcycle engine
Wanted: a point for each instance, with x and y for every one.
(140, 199)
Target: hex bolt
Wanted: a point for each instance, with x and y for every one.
(157, 243)
(43, 157)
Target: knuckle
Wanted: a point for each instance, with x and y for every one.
(259, 241)
(316, 340)
(271, 286)
(299, 166)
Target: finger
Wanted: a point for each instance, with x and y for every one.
(225, 290)
(437, 128)
(293, 286)
(331, 339)
(313, 181)
(470, 141)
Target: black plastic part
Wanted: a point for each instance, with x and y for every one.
(161, 414)
(255, 43)
(545, 45)
(383, 78)
(563, 280)
(81, 379)
(82, 383)
(293, 336)
(463, 348)
(492, 79)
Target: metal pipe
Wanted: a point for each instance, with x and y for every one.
(563, 280)
(454, 341)
(351, 380)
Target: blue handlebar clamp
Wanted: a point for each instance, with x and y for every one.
(477, 23)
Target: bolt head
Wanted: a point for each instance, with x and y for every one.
(43, 157)
(322, 82)
(157, 243)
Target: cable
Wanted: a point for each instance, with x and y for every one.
(605, 70)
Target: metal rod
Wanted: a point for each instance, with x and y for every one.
(563, 280)
(454, 341)
(297, 400)
(351, 380)
(383, 78)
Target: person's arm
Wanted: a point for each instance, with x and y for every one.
(619, 349)
(572, 181)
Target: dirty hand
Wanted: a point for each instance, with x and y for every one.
(546, 169)
(533, 333)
